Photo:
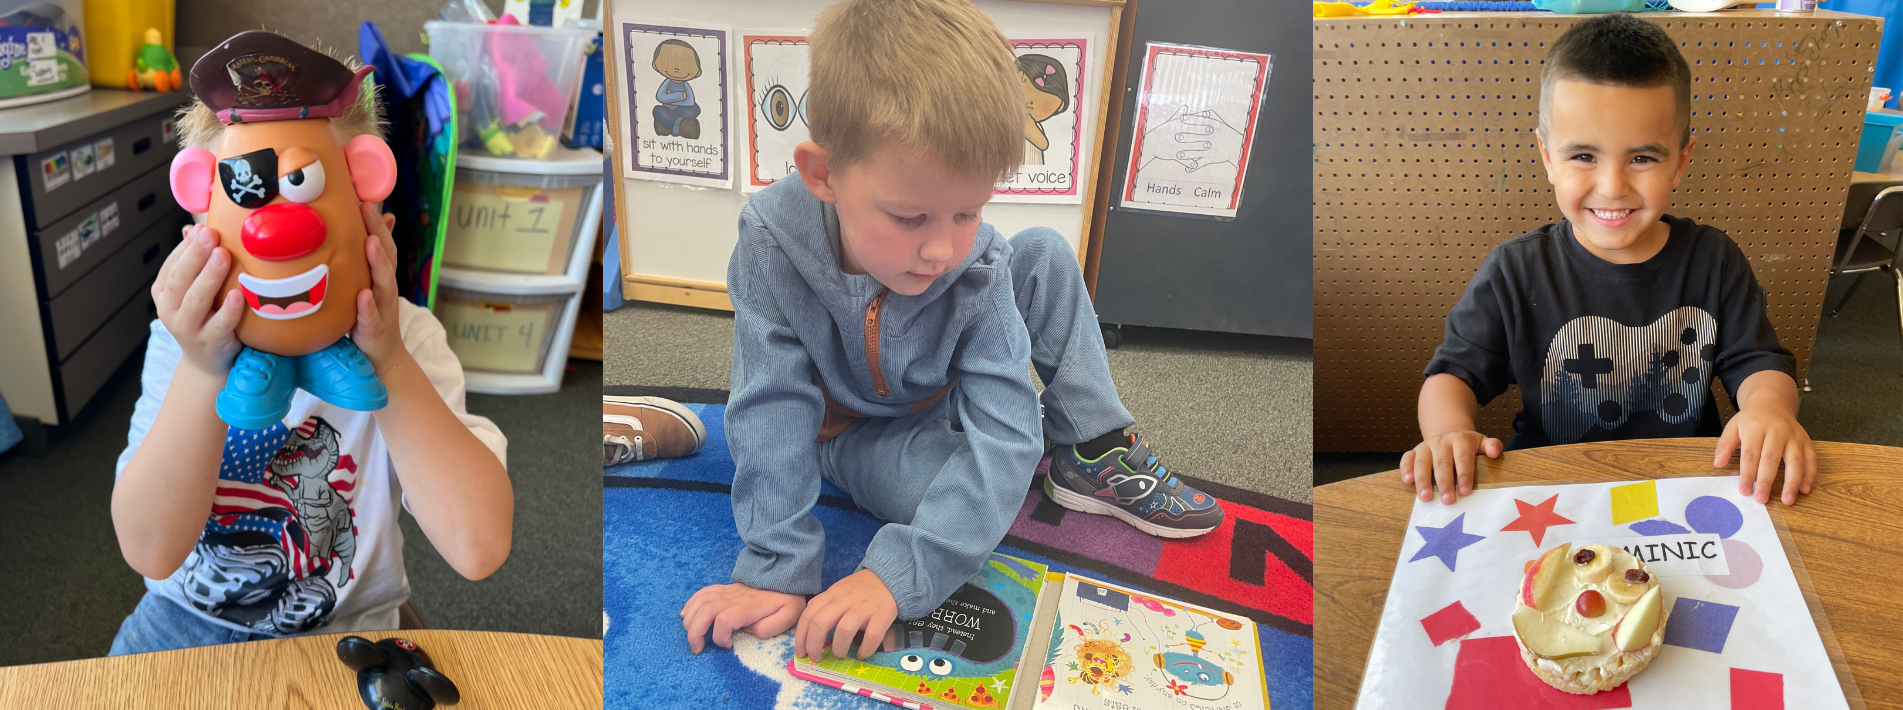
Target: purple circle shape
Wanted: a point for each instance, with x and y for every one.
(1714, 516)
(1744, 563)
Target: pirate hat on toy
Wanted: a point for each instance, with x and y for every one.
(264, 76)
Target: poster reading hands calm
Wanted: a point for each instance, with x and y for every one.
(775, 65)
(1195, 123)
(1051, 74)
(677, 103)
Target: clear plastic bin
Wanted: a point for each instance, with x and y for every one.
(497, 332)
(513, 84)
(523, 220)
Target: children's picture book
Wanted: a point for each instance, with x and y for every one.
(1737, 625)
(1114, 649)
(963, 655)
(1020, 638)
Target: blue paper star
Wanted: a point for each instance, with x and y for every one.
(1445, 542)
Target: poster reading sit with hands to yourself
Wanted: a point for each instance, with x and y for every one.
(675, 129)
(1051, 74)
(1738, 631)
(775, 66)
(1195, 122)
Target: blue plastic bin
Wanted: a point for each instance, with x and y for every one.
(1877, 144)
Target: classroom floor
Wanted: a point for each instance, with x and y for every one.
(67, 588)
(1856, 380)
(1233, 409)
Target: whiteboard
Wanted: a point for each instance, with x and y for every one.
(686, 233)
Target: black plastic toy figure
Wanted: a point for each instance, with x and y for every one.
(394, 673)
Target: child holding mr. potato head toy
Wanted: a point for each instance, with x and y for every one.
(254, 494)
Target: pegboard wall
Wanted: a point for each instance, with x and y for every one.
(1425, 159)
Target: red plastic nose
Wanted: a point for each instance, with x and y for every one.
(283, 231)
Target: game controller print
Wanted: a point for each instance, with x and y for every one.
(1604, 375)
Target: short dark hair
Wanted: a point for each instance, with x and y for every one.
(1618, 49)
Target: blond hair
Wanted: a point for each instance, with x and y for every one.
(932, 75)
(199, 126)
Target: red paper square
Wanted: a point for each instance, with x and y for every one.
(1489, 675)
(1756, 690)
(1449, 623)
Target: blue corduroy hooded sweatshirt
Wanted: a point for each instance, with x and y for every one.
(800, 323)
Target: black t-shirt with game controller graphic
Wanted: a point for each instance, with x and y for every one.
(1605, 351)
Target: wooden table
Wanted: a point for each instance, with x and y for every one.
(1848, 532)
(492, 670)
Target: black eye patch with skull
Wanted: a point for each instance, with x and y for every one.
(250, 180)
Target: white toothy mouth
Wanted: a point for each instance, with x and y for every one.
(286, 298)
(1612, 215)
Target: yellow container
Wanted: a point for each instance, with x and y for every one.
(115, 30)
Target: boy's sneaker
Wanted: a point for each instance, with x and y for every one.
(643, 428)
(1127, 483)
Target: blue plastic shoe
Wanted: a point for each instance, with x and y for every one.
(258, 391)
(342, 376)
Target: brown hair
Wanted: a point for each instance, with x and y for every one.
(1618, 50)
(933, 75)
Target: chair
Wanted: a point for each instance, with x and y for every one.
(407, 619)
(1859, 252)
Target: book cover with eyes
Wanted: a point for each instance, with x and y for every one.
(963, 655)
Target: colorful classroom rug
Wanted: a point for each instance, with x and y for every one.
(668, 531)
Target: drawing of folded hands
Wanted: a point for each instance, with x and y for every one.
(1194, 139)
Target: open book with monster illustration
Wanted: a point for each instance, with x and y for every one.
(1021, 638)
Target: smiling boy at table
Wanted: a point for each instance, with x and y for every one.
(884, 338)
(1614, 321)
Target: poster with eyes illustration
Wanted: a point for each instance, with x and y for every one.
(677, 103)
(1051, 74)
(774, 65)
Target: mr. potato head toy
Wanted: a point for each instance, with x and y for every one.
(282, 186)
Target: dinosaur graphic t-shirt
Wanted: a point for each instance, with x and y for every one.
(302, 535)
(1605, 351)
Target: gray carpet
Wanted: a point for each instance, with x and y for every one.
(1856, 379)
(1233, 409)
(67, 588)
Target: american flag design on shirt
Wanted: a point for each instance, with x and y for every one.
(281, 535)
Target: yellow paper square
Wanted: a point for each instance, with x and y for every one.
(1635, 502)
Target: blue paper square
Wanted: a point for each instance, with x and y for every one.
(1699, 624)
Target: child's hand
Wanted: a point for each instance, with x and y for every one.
(1766, 435)
(857, 603)
(724, 608)
(377, 333)
(1446, 462)
(186, 294)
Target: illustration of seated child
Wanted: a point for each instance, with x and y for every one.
(1044, 97)
(676, 114)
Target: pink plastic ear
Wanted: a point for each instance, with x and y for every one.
(193, 171)
(372, 168)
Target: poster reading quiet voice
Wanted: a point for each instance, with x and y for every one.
(676, 125)
(1051, 75)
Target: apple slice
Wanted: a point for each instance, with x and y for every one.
(1538, 586)
(1636, 629)
(1551, 639)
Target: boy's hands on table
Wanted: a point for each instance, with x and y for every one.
(1763, 436)
(860, 602)
(725, 608)
(189, 305)
(1445, 463)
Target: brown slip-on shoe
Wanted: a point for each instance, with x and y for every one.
(645, 428)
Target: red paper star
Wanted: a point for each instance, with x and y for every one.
(1536, 519)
